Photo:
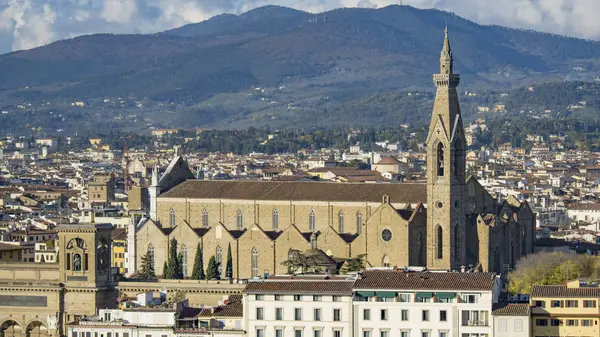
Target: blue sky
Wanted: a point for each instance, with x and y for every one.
(26, 24)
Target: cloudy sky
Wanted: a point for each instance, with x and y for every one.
(29, 23)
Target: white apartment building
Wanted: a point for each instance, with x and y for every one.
(300, 307)
(512, 320)
(390, 303)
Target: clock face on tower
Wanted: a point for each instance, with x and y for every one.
(472, 206)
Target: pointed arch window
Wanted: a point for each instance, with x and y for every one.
(420, 250)
(311, 221)
(440, 242)
(359, 223)
(385, 262)
(219, 259)
(204, 218)
(254, 262)
(456, 244)
(275, 219)
(458, 152)
(150, 254)
(440, 160)
(184, 260)
(341, 222)
(172, 217)
(240, 219)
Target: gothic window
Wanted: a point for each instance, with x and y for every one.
(523, 242)
(440, 160)
(184, 260)
(150, 255)
(275, 219)
(385, 262)
(172, 217)
(254, 262)
(340, 222)
(512, 254)
(219, 258)
(420, 250)
(456, 243)
(359, 223)
(240, 219)
(440, 242)
(497, 264)
(311, 221)
(204, 218)
(458, 151)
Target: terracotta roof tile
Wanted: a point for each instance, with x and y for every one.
(389, 279)
(301, 287)
(563, 291)
(511, 309)
(298, 191)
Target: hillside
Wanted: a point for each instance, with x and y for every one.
(305, 65)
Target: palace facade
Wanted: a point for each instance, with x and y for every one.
(448, 223)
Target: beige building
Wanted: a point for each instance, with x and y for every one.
(101, 190)
(447, 223)
(565, 310)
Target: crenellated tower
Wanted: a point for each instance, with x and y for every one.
(446, 171)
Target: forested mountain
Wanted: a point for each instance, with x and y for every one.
(276, 65)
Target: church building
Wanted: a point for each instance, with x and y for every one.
(448, 223)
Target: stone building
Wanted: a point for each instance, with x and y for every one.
(447, 223)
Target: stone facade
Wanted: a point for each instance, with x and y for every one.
(448, 223)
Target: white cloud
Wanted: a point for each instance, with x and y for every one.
(30, 23)
(119, 11)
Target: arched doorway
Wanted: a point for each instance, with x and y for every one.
(36, 329)
(10, 329)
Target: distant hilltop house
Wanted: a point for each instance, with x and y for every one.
(158, 133)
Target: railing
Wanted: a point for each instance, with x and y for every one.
(480, 322)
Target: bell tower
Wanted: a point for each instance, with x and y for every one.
(446, 176)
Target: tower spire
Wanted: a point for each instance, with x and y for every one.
(446, 163)
(446, 59)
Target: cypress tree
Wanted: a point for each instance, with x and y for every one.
(173, 264)
(212, 271)
(179, 271)
(229, 270)
(198, 273)
(165, 270)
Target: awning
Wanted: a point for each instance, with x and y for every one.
(386, 294)
(424, 295)
(445, 295)
(365, 293)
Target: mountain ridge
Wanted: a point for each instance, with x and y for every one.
(305, 64)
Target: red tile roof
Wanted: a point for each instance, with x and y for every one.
(301, 287)
(394, 280)
(563, 291)
(511, 309)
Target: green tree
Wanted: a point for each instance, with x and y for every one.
(172, 271)
(229, 269)
(551, 269)
(147, 267)
(179, 271)
(354, 264)
(198, 273)
(165, 270)
(212, 271)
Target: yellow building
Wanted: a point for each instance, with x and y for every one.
(119, 248)
(565, 310)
